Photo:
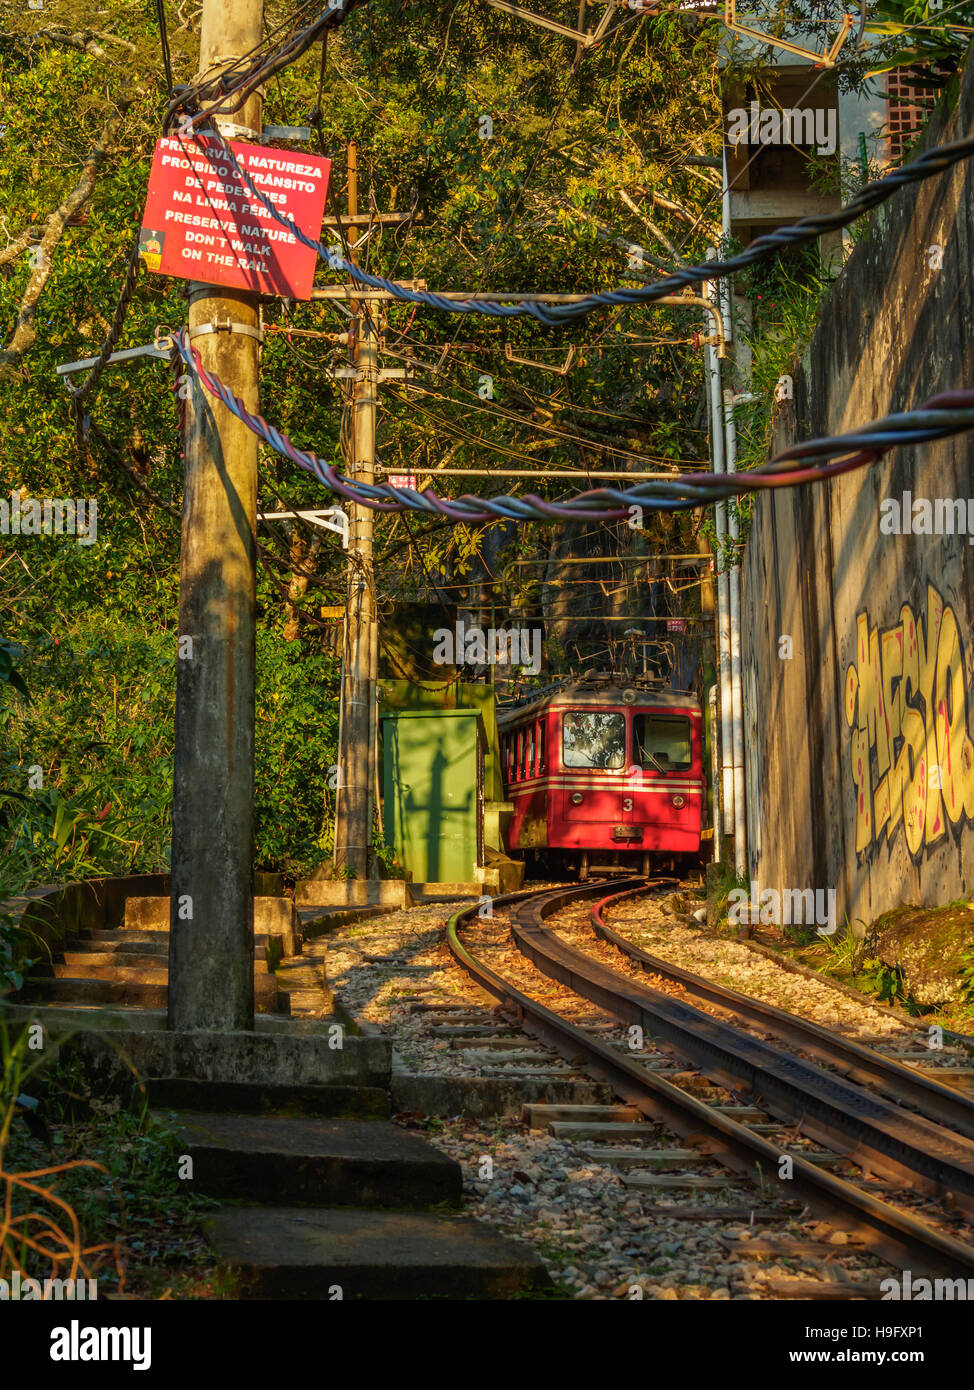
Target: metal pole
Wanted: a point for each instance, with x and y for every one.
(353, 825)
(723, 596)
(737, 700)
(714, 772)
(211, 944)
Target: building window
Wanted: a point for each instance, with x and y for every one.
(908, 108)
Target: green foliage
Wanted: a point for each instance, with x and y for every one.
(542, 204)
(723, 881)
(784, 298)
(296, 743)
(117, 1173)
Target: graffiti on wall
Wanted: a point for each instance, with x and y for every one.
(912, 757)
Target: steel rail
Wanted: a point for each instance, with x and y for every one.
(895, 1236)
(879, 1136)
(862, 1064)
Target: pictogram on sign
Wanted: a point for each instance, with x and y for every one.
(208, 214)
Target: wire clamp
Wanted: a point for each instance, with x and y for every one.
(226, 327)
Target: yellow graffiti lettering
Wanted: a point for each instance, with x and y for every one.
(891, 645)
(867, 683)
(905, 702)
(949, 717)
(915, 793)
(860, 776)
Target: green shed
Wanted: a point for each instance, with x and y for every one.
(433, 791)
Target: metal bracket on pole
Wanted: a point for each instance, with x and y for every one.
(328, 518)
(286, 132)
(161, 346)
(585, 40)
(825, 60)
(230, 130)
(227, 327)
(542, 366)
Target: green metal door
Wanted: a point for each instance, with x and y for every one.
(432, 772)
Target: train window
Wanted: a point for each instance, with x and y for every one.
(541, 743)
(662, 742)
(519, 770)
(592, 738)
(529, 767)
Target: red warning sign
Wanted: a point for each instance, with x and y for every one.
(209, 214)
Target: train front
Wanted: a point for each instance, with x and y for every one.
(627, 784)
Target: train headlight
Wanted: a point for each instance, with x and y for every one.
(576, 798)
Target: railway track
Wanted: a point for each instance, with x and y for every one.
(754, 1087)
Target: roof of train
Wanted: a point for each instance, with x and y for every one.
(584, 694)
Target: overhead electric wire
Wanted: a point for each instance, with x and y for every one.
(164, 41)
(949, 413)
(500, 413)
(229, 97)
(932, 161)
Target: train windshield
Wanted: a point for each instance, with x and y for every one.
(662, 742)
(592, 738)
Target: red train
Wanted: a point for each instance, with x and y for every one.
(604, 778)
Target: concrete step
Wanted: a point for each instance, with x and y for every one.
(332, 1162)
(128, 992)
(256, 1098)
(151, 942)
(75, 990)
(148, 970)
(301, 1253)
(157, 943)
(154, 974)
(445, 892)
(82, 963)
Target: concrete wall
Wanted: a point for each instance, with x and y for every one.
(841, 737)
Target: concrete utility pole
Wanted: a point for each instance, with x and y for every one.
(356, 755)
(211, 950)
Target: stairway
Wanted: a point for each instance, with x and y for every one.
(288, 1123)
(130, 968)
